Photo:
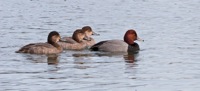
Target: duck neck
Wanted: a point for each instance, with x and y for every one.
(56, 45)
(130, 42)
(133, 44)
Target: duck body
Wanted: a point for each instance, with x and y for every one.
(50, 47)
(39, 48)
(114, 46)
(70, 44)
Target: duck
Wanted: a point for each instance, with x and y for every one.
(115, 45)
(88, 33)
(49, 47)
(75, 42)
(81, 39)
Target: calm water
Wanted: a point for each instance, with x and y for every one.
(168, 61)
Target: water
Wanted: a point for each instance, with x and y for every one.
(168, 60)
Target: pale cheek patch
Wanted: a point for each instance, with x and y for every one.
(57, 39)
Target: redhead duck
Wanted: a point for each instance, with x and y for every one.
(50, 47)
(75, 42)
(128, 45)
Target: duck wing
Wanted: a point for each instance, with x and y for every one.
(68, 40)
(38, 48)
(110, 46)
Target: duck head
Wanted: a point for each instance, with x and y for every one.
(88, 32)
(78, 35)
(130, 36)
(53, 37)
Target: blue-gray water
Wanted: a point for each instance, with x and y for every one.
(168, 61)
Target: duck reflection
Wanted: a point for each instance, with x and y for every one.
(81, 55)
(81, 60)
(131, 57)
(52, 59)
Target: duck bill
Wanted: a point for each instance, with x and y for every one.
(139, 39)
(93, 33)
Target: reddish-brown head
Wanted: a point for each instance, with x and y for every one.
(78, 35)
(130, 36)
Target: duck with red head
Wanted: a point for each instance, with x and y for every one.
(50, 47)
(128, 45)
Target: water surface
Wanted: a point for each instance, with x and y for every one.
(168, 60)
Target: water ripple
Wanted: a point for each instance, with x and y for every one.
(168, 59)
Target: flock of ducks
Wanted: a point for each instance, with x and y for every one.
(81, 39)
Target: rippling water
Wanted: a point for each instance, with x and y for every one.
(168, 61)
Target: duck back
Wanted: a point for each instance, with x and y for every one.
(73, 46)
(110, 46)
(39, 48)
(68, 40)
(70, 44)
